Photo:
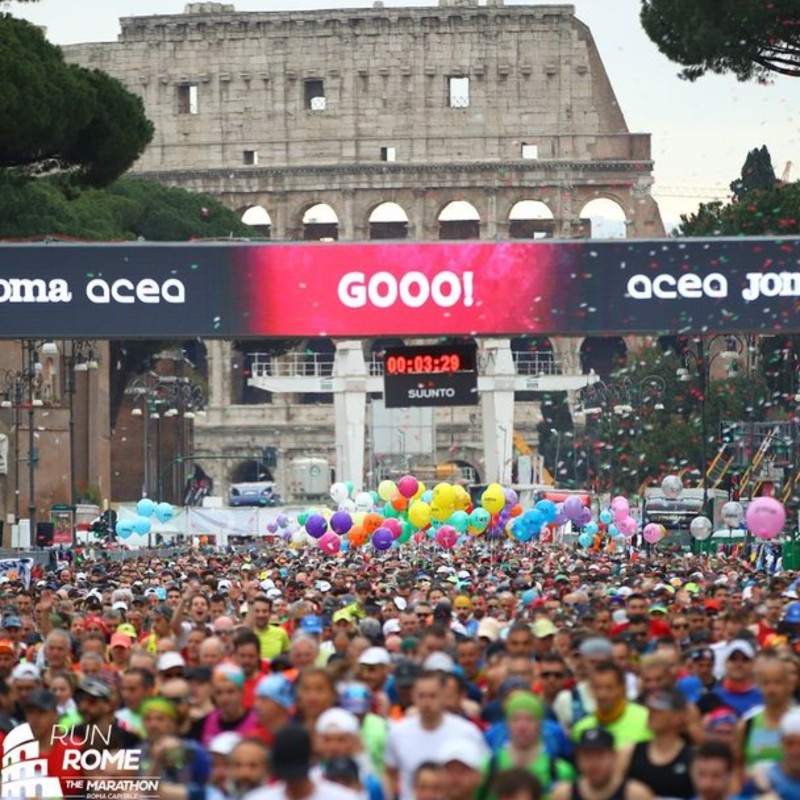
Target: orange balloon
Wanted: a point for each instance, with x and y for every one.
(516, 510)
(399, 503)
(357, 536)
(372, 522)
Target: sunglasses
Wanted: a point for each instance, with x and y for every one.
(679, 625)
(553, 675)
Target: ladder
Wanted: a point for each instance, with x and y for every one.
(752, 470)
(791, 485)
(719, 467)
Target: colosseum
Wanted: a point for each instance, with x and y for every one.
(456, 121)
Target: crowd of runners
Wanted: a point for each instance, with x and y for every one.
(514, 673)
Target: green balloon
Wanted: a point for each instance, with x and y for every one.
(376, 499)
(389, 511)
(302, 518)
(405, 536)
(459, 520)
(351, 487)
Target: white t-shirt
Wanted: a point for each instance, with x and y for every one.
(323, 790)
(409, 745)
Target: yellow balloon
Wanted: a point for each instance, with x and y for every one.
(463, 500)
(419, 514)
(493, 498)
(420, 491)
(358, 517)
(475, 531)
(444, 494)
(440, 512)
(387, 490)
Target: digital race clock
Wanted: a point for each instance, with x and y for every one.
(430, 375)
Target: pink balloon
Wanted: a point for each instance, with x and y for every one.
(447, 536)
(407, 486)
(619, 503)
(420, 537)
(330, 543)
(652, 533)
(765, 517)
(627, 526)
(394, 525)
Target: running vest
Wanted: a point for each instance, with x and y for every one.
(666, 780)
(761, 743)
(619, 794)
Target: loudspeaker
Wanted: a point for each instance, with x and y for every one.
(44, 534)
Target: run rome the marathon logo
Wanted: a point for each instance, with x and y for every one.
(26, 774)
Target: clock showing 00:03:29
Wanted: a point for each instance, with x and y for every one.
(423, 364)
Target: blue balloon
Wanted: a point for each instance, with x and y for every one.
(165, 512)
(592, 528)
(585, 540)
(522, 533)
(606, 517)
(124, 528)
(528, 596)
(141, 525)
(145, 507)
(427, 496)
(613, 530)
(548, 510)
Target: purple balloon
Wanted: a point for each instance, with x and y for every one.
(512, 498)
(282, 520)
(272, 527)
(573, 507)
(316, 525)
(561, 518)
(287, 537)
(382, 539)
(585, 516)
(341, 522)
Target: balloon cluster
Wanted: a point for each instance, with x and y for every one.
(142, 523)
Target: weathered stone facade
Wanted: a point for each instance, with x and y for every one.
(417, 106)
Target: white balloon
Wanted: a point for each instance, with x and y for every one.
(347, 505)
(701, 528)
(339, 492)
(672, 487)
(299, 537)
(363, 501)
(732, 514)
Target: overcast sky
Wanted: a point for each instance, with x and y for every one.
(701, 131)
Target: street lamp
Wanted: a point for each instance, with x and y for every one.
(83, 358)
(164, 396)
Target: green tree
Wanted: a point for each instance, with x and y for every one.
(749, 38)
(758, 174)
(771, 212)
(56, 116)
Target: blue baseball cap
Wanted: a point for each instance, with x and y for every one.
(792, 615)
(311, 624)
(276, 688)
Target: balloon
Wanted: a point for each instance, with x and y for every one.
(445, 493)
(387, 490)
(299, 538)
(584, 540)
(382, 539)
(613, 530)
(421, 489)
(765, 517)
(592, 528)
(732, 514)
(619, 503)
(124, 528)
(479, 519)
(446, 536)
(272, 527)
(459, 520)
(164, 512)
(316, 525)
(627, 526)
(372, 522)
(282, 520)
(548, 509)
(463, 500)
(419, 514)
(330, 543)
(141, 525)
(671, 486)
(341, 522)
(512, 498)
(364, 501)
(302, 517)
(399, 503)
(561, 518)
(339, 492)
(407, 486)
(375, 498)
(388, 510)
(393, 525)
(516, 510)
(426, 496)
(440, 512)
(357, 536)
(700, 528)
(351, 488)
(145, 507)
(493, 498)
(652, 533)
(606, 517)
(573, 507)
(585, 516)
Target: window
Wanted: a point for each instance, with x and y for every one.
(187, 98)
(250, 158)
(530, 152)
(314, 95)
(388, 153)
(459, 92)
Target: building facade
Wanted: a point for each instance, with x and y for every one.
(444, 122)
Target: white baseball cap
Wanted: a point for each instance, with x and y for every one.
(223, 743)
(170, 660)
(337, 720)
(375, 656)
(465, 751)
